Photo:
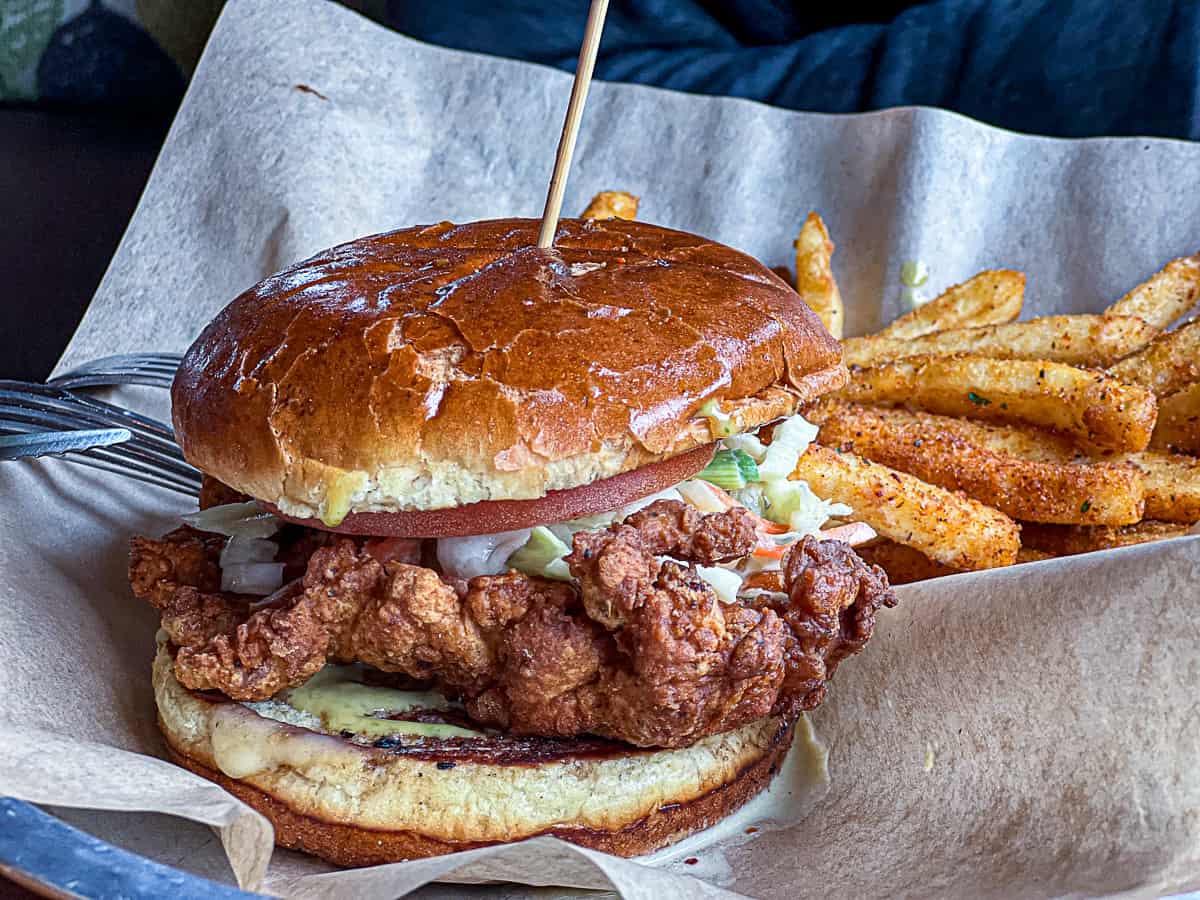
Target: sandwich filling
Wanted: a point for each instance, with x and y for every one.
(688, 613)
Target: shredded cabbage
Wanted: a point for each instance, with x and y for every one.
(542, 555)
(701, 496)
(751, 497)
(252, 578)
(485, 554)
(235, 520)
(724, 582)
(748, 444)
(792, 503)
(791, 438)
(238, 550)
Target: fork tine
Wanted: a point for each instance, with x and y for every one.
(128, 361)
(56, 420)
(151, 456)
(34, 420)
(135, 455)
(106, 379)
(149, 369)
(122, 460)
(93, 410)
(85, 459)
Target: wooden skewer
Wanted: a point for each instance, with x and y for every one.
(566, 143)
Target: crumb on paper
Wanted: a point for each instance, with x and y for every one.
(305, 89)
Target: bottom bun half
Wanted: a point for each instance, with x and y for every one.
(355, 804)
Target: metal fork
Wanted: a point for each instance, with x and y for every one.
(150, 369)
(151, 455)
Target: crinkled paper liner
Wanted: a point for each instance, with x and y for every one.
(1025, 732)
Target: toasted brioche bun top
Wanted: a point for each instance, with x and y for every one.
(437, 366)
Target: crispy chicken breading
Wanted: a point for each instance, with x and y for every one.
(642, 650)
(671, 528)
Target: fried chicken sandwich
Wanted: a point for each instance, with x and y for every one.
(498, 541)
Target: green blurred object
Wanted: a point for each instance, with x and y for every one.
(26, 27)
(106, 52)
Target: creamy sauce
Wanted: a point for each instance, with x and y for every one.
(342, 703)
(340, 491)
(803, 779)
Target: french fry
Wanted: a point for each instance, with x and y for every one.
(1093, 408)
(949, 528)
(903, 565)
(934, 450)
(1165, 296)
(988, 298)
(1172, 484)
(1078, 340)
(814, 275)
(1178, 426)
(1167, 364)
(612, 205)
(1024, 441)
(1068, 540)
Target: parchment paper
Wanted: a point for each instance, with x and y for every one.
(1025, 732)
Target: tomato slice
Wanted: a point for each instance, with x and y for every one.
(491, 516)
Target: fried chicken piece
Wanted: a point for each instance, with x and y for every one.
(672, 528)
(695, 666)
(193, 617)
(418, 626)
(282, 646)
(396, 617)
(616, 566)
(615, 572)
(766, 580)
(833, 597)
(526, 654)
(184, 556)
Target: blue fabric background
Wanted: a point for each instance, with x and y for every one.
(1060, 67)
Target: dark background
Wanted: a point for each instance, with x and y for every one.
(73, 163)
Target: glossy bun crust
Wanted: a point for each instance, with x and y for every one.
(433, 367)
(358, 805)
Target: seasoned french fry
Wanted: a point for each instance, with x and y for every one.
(949, 528)
(1024, 441)
(1165, 296)
(1078, 340)
(814, 275)
(1169, 363)
(903, 565)
(1093, 408)
(933, 449)
(1178, 426)
(988, 298)
(1067, 540)
(612, 205)
(1172, 484)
